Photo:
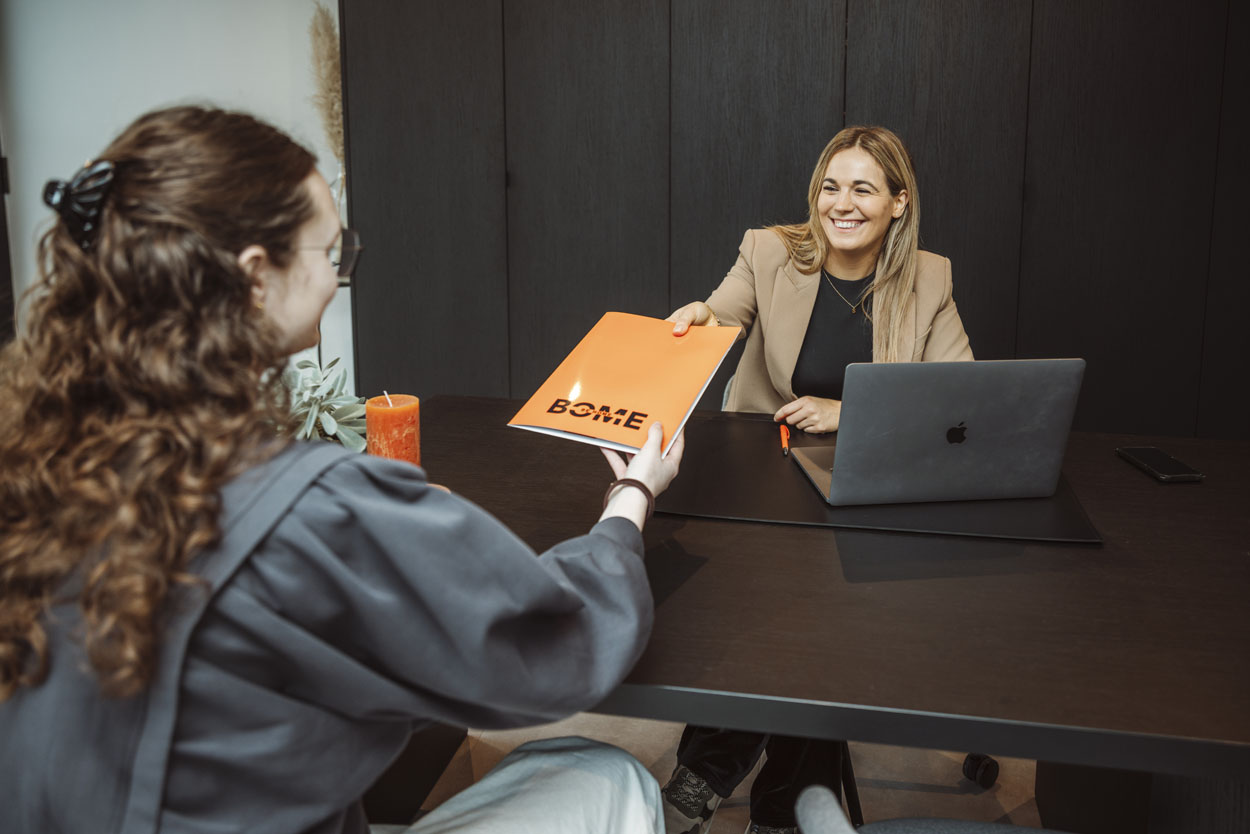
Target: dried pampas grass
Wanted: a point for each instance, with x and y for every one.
(329, 96)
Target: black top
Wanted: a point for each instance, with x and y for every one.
(835, 338)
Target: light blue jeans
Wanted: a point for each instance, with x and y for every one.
(552, 786)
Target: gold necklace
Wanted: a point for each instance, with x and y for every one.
(854, 307)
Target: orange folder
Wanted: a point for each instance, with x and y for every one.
(625, 374)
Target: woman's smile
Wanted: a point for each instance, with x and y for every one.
(856, 210)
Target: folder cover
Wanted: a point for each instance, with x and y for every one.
(625, 374)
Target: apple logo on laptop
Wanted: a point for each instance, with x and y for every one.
(957, 434)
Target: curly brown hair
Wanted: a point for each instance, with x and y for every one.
(144, 379)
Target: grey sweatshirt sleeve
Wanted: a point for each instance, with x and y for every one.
(379, 597)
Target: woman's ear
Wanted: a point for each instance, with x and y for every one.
(900, 204)
(254, 261)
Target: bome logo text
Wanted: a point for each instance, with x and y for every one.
(619, 417)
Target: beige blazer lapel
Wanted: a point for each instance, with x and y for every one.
(907, 332)
(794, 296)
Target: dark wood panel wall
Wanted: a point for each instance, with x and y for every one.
(587, 148)
(1119, 185)
(1224, 401)
(423, 97)
(518, 167)
(754, 99)
(955, 87)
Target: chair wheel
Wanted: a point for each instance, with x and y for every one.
(981, 769)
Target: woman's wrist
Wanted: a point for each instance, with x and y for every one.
(712, 320)
(629, 498)
(636, 484)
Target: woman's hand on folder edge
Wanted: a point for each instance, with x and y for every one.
(695, 313)
(649, 466)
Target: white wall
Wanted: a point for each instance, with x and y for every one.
(74, 73)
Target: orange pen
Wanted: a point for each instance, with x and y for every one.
(785, 440)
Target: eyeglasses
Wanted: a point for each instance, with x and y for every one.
(343, 253)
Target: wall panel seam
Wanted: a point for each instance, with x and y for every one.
(846, 49)
(669, 224)
(1024, 179)
(1215, 193)
(507, 249)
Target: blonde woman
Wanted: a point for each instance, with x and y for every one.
(849, 285)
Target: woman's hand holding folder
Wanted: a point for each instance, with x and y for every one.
(647, 470)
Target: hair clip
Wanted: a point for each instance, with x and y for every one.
(80, 200)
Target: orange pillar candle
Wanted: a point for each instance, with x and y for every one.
(393, 427)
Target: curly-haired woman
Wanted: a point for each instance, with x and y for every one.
(205, 626)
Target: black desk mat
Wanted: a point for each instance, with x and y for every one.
(733, 469)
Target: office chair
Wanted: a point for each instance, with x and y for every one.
(819, 812)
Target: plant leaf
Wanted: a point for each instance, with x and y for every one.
(329, 424)
(306, 430)
(323, 389)
(349, 412)
(341, 401)
(350, 439)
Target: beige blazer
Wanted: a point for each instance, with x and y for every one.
(772, 301)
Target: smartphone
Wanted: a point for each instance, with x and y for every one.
(1159, 464)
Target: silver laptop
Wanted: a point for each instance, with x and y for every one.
(947, 431)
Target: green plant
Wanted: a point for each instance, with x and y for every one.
(323, 407)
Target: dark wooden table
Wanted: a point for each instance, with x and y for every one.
(1133, 654)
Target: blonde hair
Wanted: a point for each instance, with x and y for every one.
(896, 263)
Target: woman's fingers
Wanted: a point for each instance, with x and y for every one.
(677, 450)
(796, 412)
(615, 461)
(811, 414)
(655, 436)
(684, 317)
(785, 412)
